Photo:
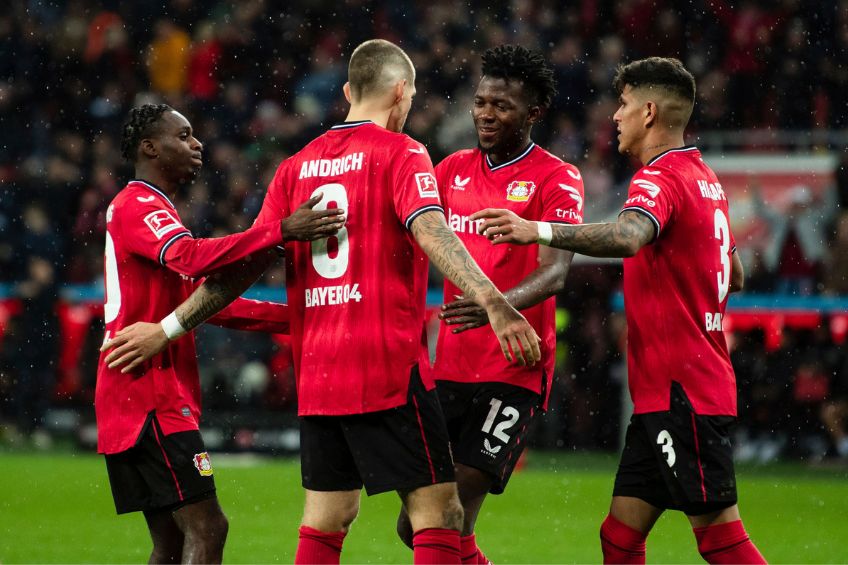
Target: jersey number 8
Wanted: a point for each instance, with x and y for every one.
(326, 266)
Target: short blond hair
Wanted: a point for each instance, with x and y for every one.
(377, 65)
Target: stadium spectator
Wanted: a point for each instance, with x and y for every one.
(835, 265)
(35, 337)
(168, 58)
(677, 452)
(834, 411)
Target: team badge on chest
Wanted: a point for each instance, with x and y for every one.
(203, 464)
(520, 190)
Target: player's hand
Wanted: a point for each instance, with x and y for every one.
(465, 312)
(306, 224)
(135, 345)
(505, 226)
(519, 341)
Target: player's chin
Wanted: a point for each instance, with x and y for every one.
(486, 145)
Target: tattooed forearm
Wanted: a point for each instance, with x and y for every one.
(220, 289)
(616, 239)
(451, 257)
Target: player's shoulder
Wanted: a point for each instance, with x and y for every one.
(461, 158)
(395, 142)
(137, 195)
(554, 166)
(672, 165)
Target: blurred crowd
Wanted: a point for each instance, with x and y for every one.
(259, 78)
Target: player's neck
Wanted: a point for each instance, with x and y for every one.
(155, 178)
(363, 112)
(506, 155)
(656, 145)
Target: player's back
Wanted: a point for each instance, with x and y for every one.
(358, 298)
(676, 287)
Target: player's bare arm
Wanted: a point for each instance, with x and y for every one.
(518, 340)
(134, 345)
(539, 285)
(622, 238)
(737, 274)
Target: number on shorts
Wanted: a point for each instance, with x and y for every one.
(664, 439)
(500, 430)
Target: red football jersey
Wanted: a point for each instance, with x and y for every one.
(675, 289)
(537, 186)
(357, 299)
(144, 283)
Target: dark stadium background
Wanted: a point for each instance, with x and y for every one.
(260, 78)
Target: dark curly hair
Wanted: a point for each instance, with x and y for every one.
(514, 62)
(664, 72)
(140, 123)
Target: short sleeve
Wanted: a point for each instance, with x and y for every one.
(442, 178)
(275, 207)
(415, 188)
(149, 226)
(562, 196)
(651, 193)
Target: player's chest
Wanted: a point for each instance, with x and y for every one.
(467, 193)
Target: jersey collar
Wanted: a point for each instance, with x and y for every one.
(348, 125)
(155, 189)
(667, 151)
(525, 153)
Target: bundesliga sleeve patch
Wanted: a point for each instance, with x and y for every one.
(427, 187)
(161, 222)
(203, 464)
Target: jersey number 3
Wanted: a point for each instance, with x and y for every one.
(722, 234)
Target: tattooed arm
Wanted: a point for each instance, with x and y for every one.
(518, 340)
(139, 342)
(622, 238)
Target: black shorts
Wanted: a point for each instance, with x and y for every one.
(488, 425)
(402, 448)
(160, 472)
(678, 460)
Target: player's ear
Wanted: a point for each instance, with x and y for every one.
(398, 90)
(534, 114)
(346, 90)
(149, 149)
(650, 113)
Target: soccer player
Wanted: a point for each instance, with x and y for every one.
(488, 403)
(680, 264)
(147, 417)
